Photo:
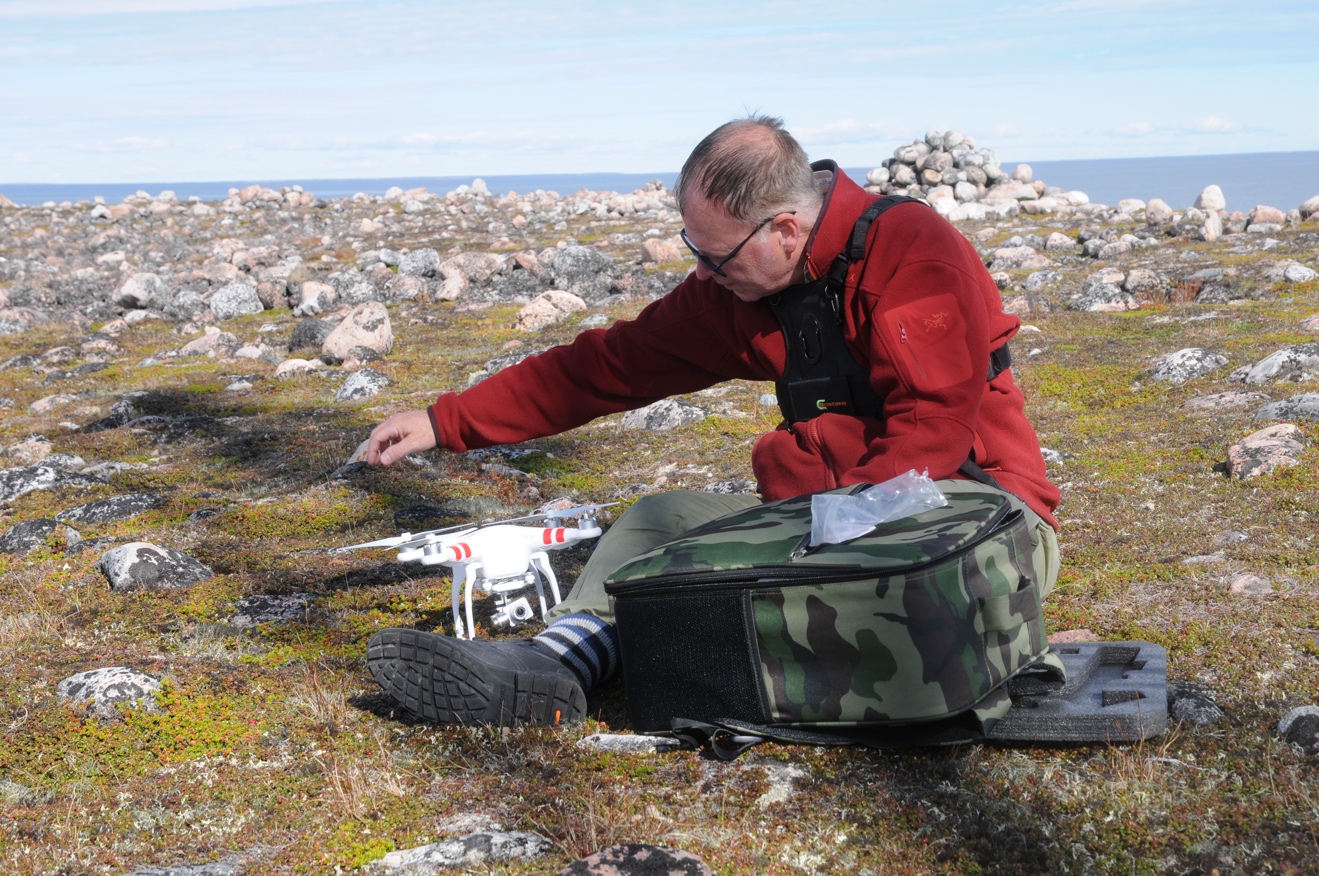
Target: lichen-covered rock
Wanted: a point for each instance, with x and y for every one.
(142, 565)
(15, 482)
(362, 384)
(1304, 406)
(113, 508)
(104, 689)
(25, 537)
(143, 290)
(469, 851)
(1192, 705)
(1295, 363)
(583, 271)
(235, 299)
(420, 263)
(664, 415)
(1188, 364)
(264, 608)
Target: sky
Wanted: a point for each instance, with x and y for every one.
(194, 90)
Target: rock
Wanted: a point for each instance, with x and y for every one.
(662, 251)
(214, 343)
(637, 859)
(1059, 242)
(141, 565)
(144, 291)
(30, 451)
(1304, 406)
(23, 538)
(1265, 215)
(15, 482)
(1023, 173)
(1298, 274)
(1157, 212)
(471, 267)
(663, 415)
(1224, 400)
(105, 689)
(1039, 279)
(310, 334)
(551, 306)
(1188, 364)
(235, 299)
(111, 509)
(314, 298)
(1103, 298)
(1296, 363)
(291, 367)
(420, 263)
(1071, 637)
(1309, 208)
(271, 609)
(628, 742)
(1265, 451)
(473, 850)
(362, 384)
(583, 271)
(1212, 229)
(1300, 727)
(1210, 199)
(1192, 705)
(1249, 585)
(367, 325)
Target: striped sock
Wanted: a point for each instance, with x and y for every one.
(584, 643)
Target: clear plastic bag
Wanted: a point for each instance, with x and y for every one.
(836, 519)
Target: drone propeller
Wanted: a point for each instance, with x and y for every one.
(567, 513)
(406, 539)
(412, 539)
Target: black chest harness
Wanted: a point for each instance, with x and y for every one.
(820, 375)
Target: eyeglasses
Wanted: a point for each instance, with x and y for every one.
(717, 268)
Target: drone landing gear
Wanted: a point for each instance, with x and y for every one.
(508, 612)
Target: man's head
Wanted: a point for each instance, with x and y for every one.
(749, 200)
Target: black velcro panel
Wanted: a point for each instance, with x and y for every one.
(689, 656)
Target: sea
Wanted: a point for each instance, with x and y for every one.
(1278, 179)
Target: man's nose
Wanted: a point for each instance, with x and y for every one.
(702, 272)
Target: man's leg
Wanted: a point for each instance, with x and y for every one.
(542, 680)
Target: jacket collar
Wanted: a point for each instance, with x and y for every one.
(844, 201)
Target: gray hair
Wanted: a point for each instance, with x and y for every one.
(752, 168)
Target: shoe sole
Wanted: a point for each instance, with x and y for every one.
(443, 684)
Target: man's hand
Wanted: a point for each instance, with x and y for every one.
(399, 436)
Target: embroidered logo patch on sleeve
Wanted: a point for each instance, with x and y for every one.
(929, 336)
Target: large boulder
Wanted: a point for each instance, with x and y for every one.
(367, 326)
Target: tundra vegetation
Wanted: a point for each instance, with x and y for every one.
(268, 746)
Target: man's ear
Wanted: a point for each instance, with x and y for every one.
(789, 230)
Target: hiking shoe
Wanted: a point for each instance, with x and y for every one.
(474, 681)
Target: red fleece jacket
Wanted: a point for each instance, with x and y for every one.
(921, 309)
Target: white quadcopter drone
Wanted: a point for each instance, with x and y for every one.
(500, 557)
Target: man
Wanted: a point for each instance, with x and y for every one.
(919, 316)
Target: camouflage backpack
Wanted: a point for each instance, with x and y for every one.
(905, 635)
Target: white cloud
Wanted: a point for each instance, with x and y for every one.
(1134, 129)
(1215, 125)
(1005, 130)
(122, 144)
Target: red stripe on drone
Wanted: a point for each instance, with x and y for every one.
(461, 550)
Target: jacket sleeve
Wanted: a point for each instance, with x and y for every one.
(681, 343)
